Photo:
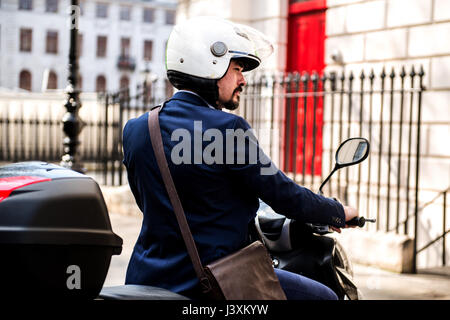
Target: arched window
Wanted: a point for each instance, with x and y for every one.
(124, 82)
(25, 80)
(52, 82)
(100, 83)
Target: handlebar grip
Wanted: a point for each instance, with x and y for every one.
(359, 221)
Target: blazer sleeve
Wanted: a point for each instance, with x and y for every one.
(260, 175)
(129, 165)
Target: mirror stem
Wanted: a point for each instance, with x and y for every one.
(320, 192)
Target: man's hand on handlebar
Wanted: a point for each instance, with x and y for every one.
(350, 213)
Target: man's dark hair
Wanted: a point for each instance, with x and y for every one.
(205, 88)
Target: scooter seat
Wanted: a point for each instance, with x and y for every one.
(271, 224)
(138, 292)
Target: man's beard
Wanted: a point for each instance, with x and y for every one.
(231, 104)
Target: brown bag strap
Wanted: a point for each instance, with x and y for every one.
(157, 144)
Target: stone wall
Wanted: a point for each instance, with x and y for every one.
(373, 34)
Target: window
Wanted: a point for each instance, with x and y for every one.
(25, 80)
(51, 5)
(125, 47)
(124, 82)
(101, 46)
(26, 40)
(79, 45)
(125, 13)
(148, 50)
(101, 10)
(100, 84)
(148, 16)
(25, 4)
(52, 42)
(52, 82)
(170, 17)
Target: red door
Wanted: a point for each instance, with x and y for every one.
(306, 41)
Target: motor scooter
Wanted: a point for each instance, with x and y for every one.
(57, 240)
(305, 248)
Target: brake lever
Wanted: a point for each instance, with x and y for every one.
(320, 229)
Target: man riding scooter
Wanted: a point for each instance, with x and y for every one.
(218, 183)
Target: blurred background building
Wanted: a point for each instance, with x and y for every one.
(119, 43)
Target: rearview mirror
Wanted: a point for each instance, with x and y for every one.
(350, 152)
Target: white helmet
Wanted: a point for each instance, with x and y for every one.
(199, 52)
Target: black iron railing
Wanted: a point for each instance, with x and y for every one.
(30, 134)
(312, 114)
(118, 108)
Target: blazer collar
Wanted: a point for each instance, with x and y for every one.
(191, 98)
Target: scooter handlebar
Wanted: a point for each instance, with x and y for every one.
(359, 221)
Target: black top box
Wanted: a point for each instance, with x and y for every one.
(56, 238)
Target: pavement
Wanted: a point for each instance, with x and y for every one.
(374, 283)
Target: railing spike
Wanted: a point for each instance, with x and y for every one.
(288, 78)
(403, 72)
(413, 72)
(372, 75)
(333, 76)
(305, 77)
(421, 71)
(392, 74)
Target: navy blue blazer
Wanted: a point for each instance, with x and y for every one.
(219, 199)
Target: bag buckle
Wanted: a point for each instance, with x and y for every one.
(205, 285)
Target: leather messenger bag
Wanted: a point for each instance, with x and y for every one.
(244, 275)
